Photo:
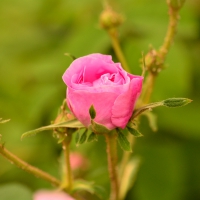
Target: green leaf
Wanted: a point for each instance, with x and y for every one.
(152, 118)
(92, 112)
(132, 129)
(92, 137)
(4, 121)
(123, 141)
(82, 185)
(99, 128)
(134, 132)
(15, 192)
(176, 102)
(81, 136)
(69, 124)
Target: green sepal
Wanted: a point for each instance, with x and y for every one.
(68, 124)
(82, 185)
(176, 102)
(81, 136)
(134, 132)
(92, 112)
(123, 141)
(71, 56)
(99, 128)
(92, 137)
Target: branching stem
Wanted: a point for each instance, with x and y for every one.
(27, 167)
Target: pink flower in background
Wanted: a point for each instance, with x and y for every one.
(96, 80)
(51, 195)
(77, 161)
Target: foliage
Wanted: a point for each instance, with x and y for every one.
(34, 37)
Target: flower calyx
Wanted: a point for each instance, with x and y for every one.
(153, 62)
(110, 19)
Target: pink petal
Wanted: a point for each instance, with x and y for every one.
(91, 64)
(124, 104)
(80, 102)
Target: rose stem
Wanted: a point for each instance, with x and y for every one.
(116, 46)
(150, 80)
(164, 49)
(171, 31)
(111, 142)
(67, 173)
(27, 167)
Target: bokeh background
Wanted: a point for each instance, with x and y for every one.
(34, 35)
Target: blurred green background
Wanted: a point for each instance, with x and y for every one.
(34, 35)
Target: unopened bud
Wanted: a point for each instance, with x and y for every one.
(110, 19)
(176, 102)
(176, 4)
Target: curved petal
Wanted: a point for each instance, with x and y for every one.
(80, 102)
(91, 62)
(124, 104)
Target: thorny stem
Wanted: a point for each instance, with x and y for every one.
(148, 88)
(161, 55)
(67, 173)
(111, 141)
(150, 80)
(27, 167)
(171, 31)
(116, 46)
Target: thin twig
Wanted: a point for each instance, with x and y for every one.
(27, 167)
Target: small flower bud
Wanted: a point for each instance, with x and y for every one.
(92, 112)
(150, 58)
(176, 4)
(110, 19)
(153, 63)
(176, 102)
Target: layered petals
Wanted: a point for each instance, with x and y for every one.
(96, 80)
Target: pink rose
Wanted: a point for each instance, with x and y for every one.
(51, 195)
(96, 80)
(77, 161)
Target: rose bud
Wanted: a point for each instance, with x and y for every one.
(96, 80)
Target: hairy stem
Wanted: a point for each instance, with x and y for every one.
(148, 88)
(171, 31)
(111, 141)
(27, 167)
(67, 173)
(117, 49)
